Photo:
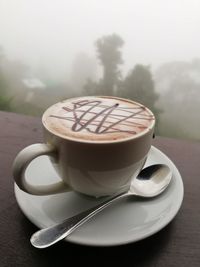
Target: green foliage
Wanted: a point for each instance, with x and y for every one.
(5, 101)
(108, 50)
(109, 54)
(139, 86)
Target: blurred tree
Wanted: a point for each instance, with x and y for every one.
(139, 86)
(109, 54)
(5, 101)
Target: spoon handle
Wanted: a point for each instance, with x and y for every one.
(51, 235)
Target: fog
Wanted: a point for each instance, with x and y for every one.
(49, 33)
(144, 50)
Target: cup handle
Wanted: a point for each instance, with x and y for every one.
(21, 162)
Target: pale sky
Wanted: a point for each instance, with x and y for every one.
(51, 32)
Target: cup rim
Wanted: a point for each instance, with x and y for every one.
(86, 141)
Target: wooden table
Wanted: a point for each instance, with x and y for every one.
(178, 244)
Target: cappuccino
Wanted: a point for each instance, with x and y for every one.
(97, 145)
(98, 119)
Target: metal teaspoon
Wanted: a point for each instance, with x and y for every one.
(150, 182)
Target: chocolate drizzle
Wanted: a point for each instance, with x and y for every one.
(99, 118)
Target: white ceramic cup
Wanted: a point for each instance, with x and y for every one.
(86, 166)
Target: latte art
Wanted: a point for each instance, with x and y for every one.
(98, 118)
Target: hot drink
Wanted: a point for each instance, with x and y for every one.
(98, 119)
(98, 145)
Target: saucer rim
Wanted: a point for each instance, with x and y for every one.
(159, 227)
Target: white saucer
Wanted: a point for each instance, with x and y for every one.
(127, 221)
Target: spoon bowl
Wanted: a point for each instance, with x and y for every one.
(150, 182)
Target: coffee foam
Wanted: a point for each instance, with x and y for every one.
(98, 119)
